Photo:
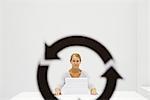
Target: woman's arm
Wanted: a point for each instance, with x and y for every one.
(60, 85)
(92, 88)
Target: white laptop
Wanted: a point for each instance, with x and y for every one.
(75, 86)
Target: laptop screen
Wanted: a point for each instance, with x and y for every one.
(75, 86)
(76, 82)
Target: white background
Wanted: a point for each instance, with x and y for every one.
(120, 25)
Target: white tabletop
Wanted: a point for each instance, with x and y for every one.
(123, 95)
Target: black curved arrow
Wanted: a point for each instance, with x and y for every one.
(51, 51)
(43, 83)
(112, 76)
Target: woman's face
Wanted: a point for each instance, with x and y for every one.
(75, 61)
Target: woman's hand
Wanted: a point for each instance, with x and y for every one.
(57, 91)
(93, 91)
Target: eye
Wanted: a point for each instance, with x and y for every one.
(73, 60)
(77, 60)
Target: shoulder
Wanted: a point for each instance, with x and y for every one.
(84, 73)
(66, 74)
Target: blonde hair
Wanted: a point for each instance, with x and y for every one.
(77, 55)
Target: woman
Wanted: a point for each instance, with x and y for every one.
(75, 72)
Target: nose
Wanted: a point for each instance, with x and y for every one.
(76, 63)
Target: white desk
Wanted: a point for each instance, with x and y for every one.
(123, 95)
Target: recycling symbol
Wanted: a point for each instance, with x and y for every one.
(111, 74)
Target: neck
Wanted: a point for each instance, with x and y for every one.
(75, 70)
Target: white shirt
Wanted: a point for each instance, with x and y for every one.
(82, 75)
